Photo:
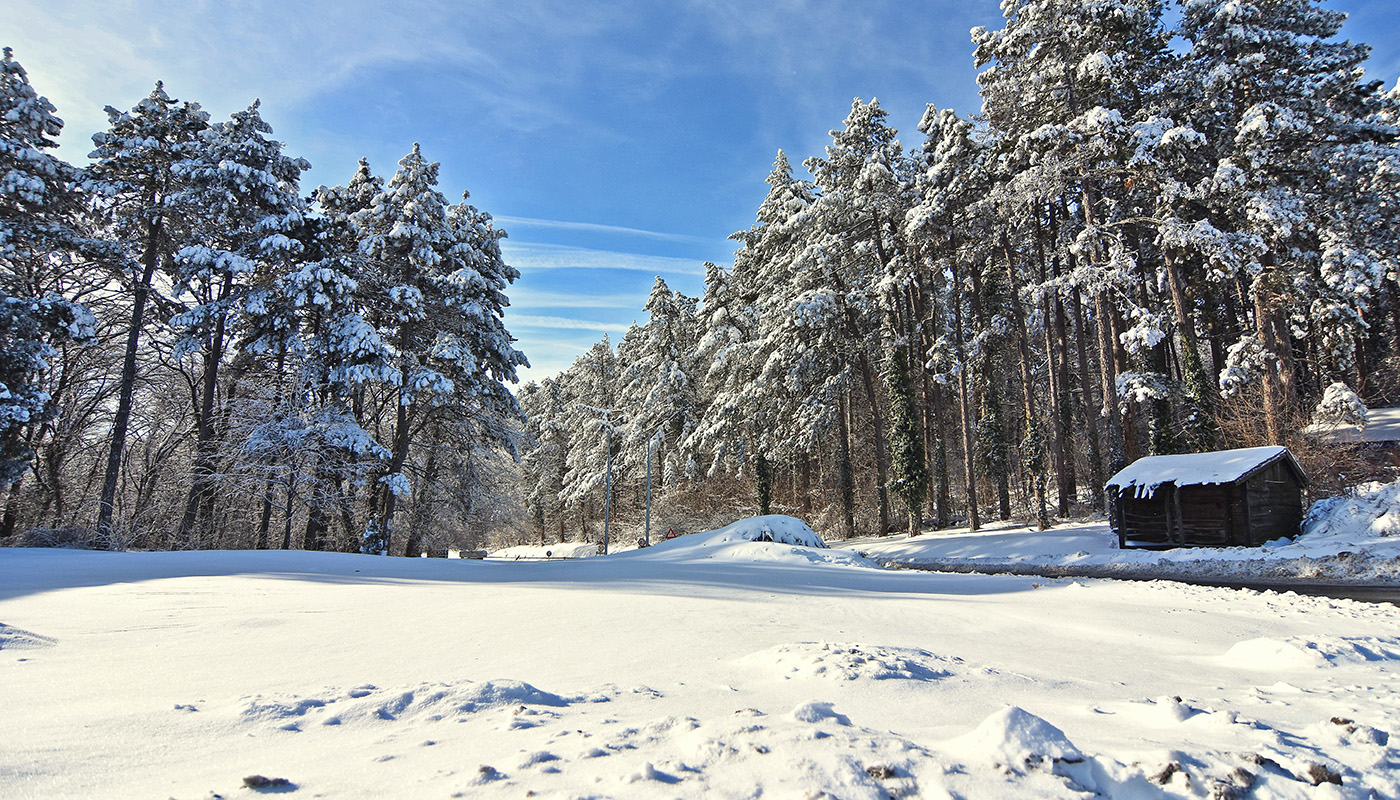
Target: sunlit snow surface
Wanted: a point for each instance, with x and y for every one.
(707, 666)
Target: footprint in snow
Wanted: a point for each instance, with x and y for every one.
(12, 638)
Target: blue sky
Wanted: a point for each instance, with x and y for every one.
(614, 141)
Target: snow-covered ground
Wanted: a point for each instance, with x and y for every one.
(1354, 539)
(708, 666)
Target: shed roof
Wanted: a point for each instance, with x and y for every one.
(1223, 466)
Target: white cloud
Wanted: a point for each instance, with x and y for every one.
(592, 227)
(523, 297)
(533, 321)
(529, 256)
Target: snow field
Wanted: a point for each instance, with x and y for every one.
(698, 668)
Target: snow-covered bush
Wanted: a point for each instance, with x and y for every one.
(1340, 406)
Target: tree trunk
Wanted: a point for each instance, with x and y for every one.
(1275, 375)
(965, 404)
(396, 463)
(7, 522)
(265, 517)
(201, 495)
(1033, 446)
(1087, 410)
(413, 546)
(127, 387)
(1117, 447)
(882, 458)
(845, 480)
(1204, 433)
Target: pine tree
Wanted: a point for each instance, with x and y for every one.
(434, 285)
(1289, 121)
(658, 386)
(591, 386)
(750, 375)
(852, 242)
(241, 195)
(45, 253)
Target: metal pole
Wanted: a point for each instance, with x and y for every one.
(648, 529)
(607, 496)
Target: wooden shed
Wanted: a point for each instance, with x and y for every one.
(1230, 497)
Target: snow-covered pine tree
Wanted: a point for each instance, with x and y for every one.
(751, 407)
(546, 457)
(853, 239)
(42, 247)
(946, 228)
(133, 178)
(659, 388)
(591, 387)
(311, 320)
(1291, 127)
(1061, 83)
(241, 198)
(434, 286)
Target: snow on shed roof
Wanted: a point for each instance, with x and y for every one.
(1222, 466)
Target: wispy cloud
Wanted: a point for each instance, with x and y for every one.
(593, 227)
(529, 256)
(534, 321)
(523, 297)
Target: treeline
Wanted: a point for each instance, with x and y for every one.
(1149, 241)
(195, 354)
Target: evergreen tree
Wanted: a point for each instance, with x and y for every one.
(659, 388)
(133, 174)
(434, 284)
(45, 255)
(241, 197)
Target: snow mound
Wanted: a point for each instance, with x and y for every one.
(12, 638)
(1017, 740)
(434, 701)
(1374, 509)
(851, 662)
(773, 538)
(1296, 652)
(775, 528)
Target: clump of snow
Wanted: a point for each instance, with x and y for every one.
(850, 662)
(1340, 406)
(772, 538)
(368, 703)
(1016, 739)
(818, 711)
